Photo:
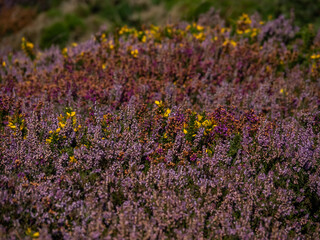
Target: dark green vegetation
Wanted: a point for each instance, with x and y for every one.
(84, 18)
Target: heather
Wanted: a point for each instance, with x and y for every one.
(185, 131)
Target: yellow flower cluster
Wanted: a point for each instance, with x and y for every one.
(200, 36)
(65, 52)
(103, 37)
(63, 120)
(73, 159)
(200, 122)
(195, 26)
(127, 31)
(207, 124)
(26, 45)
(144, 39)
(244, 19)
(283, 91)
(231, 42)
(197, 31)
(154, 32)
(32, 234)
(243, 27)
(250, 31)
(134, 53)
(110, 45)
(167, 112)
(224, 30)
(62, 124)
(12, 126)
(27, 48)
(314, 68)
(161, 105)
(315, 56)
(18, 123)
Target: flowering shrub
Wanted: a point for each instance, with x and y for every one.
(182, 131)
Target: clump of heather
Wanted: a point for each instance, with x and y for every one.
(177, 132)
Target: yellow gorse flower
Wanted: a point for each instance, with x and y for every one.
(223, 30)
(126, 30)
(29, 45)
(11, 125)
(103, 37)
(71, 114)
(72, 159)
(315, 56)
(27, 48)
(233, 43)
(111, 45)
(159, 103)
(35, 235)
(200, 28)
(4, 64)
(227, 42)
(239, 31)
(28, 231)
(199, 36)
(207, 123)
(167, 112)
(244, 19)
(62, 125)
(65, 52)
(134, 53)
(32, 234)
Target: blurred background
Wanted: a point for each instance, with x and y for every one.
(60, 22)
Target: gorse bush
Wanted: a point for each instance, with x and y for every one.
(180, 131)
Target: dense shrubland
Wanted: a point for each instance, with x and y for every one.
(182, 131)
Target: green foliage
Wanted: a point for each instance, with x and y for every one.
(59, 32)
(307, 34)
(56, 34)
(54, 13)
(232, 9)
(56, 3)
(73, 22)
(235, 145)
(82, 11)
(118, 198)
(306, 11)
